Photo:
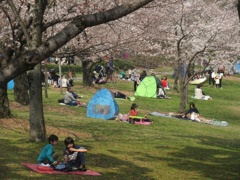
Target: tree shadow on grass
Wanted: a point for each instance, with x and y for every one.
(216, 159)
(110, 167)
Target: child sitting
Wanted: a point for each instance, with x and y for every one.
(47, 155)
(134, 112)
(74, 154)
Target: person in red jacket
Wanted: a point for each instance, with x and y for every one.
(165, 82)
(133, 111)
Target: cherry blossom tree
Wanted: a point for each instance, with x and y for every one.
(186, 33)
(33, 30)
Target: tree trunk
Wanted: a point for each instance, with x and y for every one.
(21, 89)
(177, 72)
(87, 68)
(4, 103)
(37, 125)
(183, 98)
(46, 79)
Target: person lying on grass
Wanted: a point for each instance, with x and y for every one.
(74, 154)
(47, 155)
(117, 94)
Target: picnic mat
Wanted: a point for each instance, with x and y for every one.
(34, 167)
(212, 122)
(63, 104)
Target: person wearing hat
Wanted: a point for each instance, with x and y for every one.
(133, 111)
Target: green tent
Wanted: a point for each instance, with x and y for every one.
(148, 87)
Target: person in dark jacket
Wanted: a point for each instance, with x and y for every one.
(74, 154)
(193, 111)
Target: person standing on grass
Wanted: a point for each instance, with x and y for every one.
(136, 80)
(74, 154)
(210, 76)
(110, 70)
(221, 74)
(217, 80)
(213, 75)
(47, 155)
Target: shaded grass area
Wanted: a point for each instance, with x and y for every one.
(168, 149)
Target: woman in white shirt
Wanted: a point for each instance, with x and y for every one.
(200, 95)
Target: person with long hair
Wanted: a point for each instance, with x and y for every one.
(193, 111)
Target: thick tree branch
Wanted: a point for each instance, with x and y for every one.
(29, 59)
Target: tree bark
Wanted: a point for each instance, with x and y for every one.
(46, 78)
(87, 68)
(4, 103)
(183, 98)
(37, 124)
(21, 89)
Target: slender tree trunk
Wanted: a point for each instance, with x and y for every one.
(4, 103)
(177, 72)
(45, 78)
(37, 125)
(21, 89)
(183, 98)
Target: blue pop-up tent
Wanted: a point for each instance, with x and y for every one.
(10, 85)
(237, 67)
(102, 105)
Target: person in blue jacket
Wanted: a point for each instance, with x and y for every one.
(47, 155)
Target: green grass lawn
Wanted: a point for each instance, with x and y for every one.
(167, 149)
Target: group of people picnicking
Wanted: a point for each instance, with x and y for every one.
(53, 79)
(215, 78)
(73, 154)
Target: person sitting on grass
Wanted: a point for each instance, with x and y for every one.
(164, 82)
(74, 154)
(193, 111)
(200, 95)
(70, 100)
(47, 155)
(134, 112)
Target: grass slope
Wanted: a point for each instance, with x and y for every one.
(168, 149)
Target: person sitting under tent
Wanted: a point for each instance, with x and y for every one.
(200, 95)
